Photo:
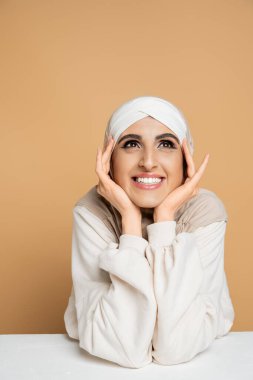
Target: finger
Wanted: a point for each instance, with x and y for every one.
(99, 163)
(106, 159)
(108, 151)
(190, 163)
(189, 160)
(103, 177)
(107, 144)
(197, 176)
(98, 160)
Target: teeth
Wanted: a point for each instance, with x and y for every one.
(148, 180)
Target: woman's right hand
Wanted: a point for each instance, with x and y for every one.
(108, 188)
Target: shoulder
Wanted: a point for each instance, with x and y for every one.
(97, 211)
(202, 209)
(94, 203)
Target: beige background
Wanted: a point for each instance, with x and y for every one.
(65, 67)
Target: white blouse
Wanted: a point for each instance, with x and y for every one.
(163, 299)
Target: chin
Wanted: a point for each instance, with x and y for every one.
(146, 203)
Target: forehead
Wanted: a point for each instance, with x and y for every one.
(148, 126)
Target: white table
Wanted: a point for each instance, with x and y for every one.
(56, 356)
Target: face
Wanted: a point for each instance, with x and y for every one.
(148, 154)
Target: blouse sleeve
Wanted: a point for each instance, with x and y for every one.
(194, 306)
(114, 295)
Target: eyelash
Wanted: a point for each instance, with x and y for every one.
(173, 146)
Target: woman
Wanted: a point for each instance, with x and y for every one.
(148, 245)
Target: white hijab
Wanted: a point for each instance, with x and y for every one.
(138, 108)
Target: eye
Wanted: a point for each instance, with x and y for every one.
(126, 146)
(169, 143)
(132, 144)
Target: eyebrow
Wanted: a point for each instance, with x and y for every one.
(138, 137)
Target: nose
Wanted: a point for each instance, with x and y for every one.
(148, 160)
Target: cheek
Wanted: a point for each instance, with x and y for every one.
(173, 164)
(120, 169)
(174, 170)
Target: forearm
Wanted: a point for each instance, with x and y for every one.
(162, 217)
(131, 224)
(188, 282)
(111, 309)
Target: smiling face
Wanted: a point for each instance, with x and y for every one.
(146, 155)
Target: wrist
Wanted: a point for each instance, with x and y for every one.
(163, 217)
(131, 224)
(161, 234)
(131, 214)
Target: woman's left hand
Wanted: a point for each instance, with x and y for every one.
(166, 210)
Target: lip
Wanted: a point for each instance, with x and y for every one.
(148, 175)
(144, 186)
